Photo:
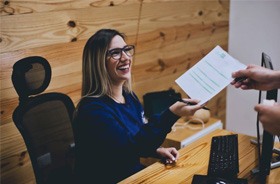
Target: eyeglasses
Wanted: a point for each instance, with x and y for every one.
(117, 52)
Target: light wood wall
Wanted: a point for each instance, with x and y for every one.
(170, 37)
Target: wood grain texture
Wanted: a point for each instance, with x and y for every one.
(170, 37)
(15, 163)
(33, 6)
(48, 28)
(194, 159)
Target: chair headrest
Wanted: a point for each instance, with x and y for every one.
(31, 76)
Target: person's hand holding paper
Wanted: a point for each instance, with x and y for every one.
(210, 75)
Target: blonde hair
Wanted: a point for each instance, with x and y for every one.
(96, 81)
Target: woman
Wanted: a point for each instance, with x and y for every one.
(109, 126)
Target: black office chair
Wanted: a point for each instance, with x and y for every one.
(44, 121)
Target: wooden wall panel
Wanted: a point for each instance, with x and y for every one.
(15, 164)
(48, 28)
(170, 37)
(31, 6)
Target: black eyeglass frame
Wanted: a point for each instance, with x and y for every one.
(128, 53)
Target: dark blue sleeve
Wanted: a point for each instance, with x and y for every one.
(152, 134)
(101, 124)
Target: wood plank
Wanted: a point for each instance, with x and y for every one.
(157, 62)
(31, 31)
(34, 6)
(14, 156)
(178, 13)
(19, 175)
(11, 142)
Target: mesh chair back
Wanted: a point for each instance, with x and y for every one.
(44, 121)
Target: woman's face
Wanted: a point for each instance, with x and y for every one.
(118, 69)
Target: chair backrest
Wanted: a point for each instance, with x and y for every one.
(44, 121)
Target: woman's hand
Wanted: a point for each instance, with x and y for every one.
(182, 109)
(170, 155)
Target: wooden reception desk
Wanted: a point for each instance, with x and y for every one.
(194, 160)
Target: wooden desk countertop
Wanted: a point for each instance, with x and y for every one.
(194, 160)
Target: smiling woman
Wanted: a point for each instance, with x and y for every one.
(119, 64)
(109, 125)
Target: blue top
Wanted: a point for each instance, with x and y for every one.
(111, 137)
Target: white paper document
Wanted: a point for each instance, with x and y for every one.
(210, 75)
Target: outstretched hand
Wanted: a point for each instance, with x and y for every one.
(255, 77)
(182, 109)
